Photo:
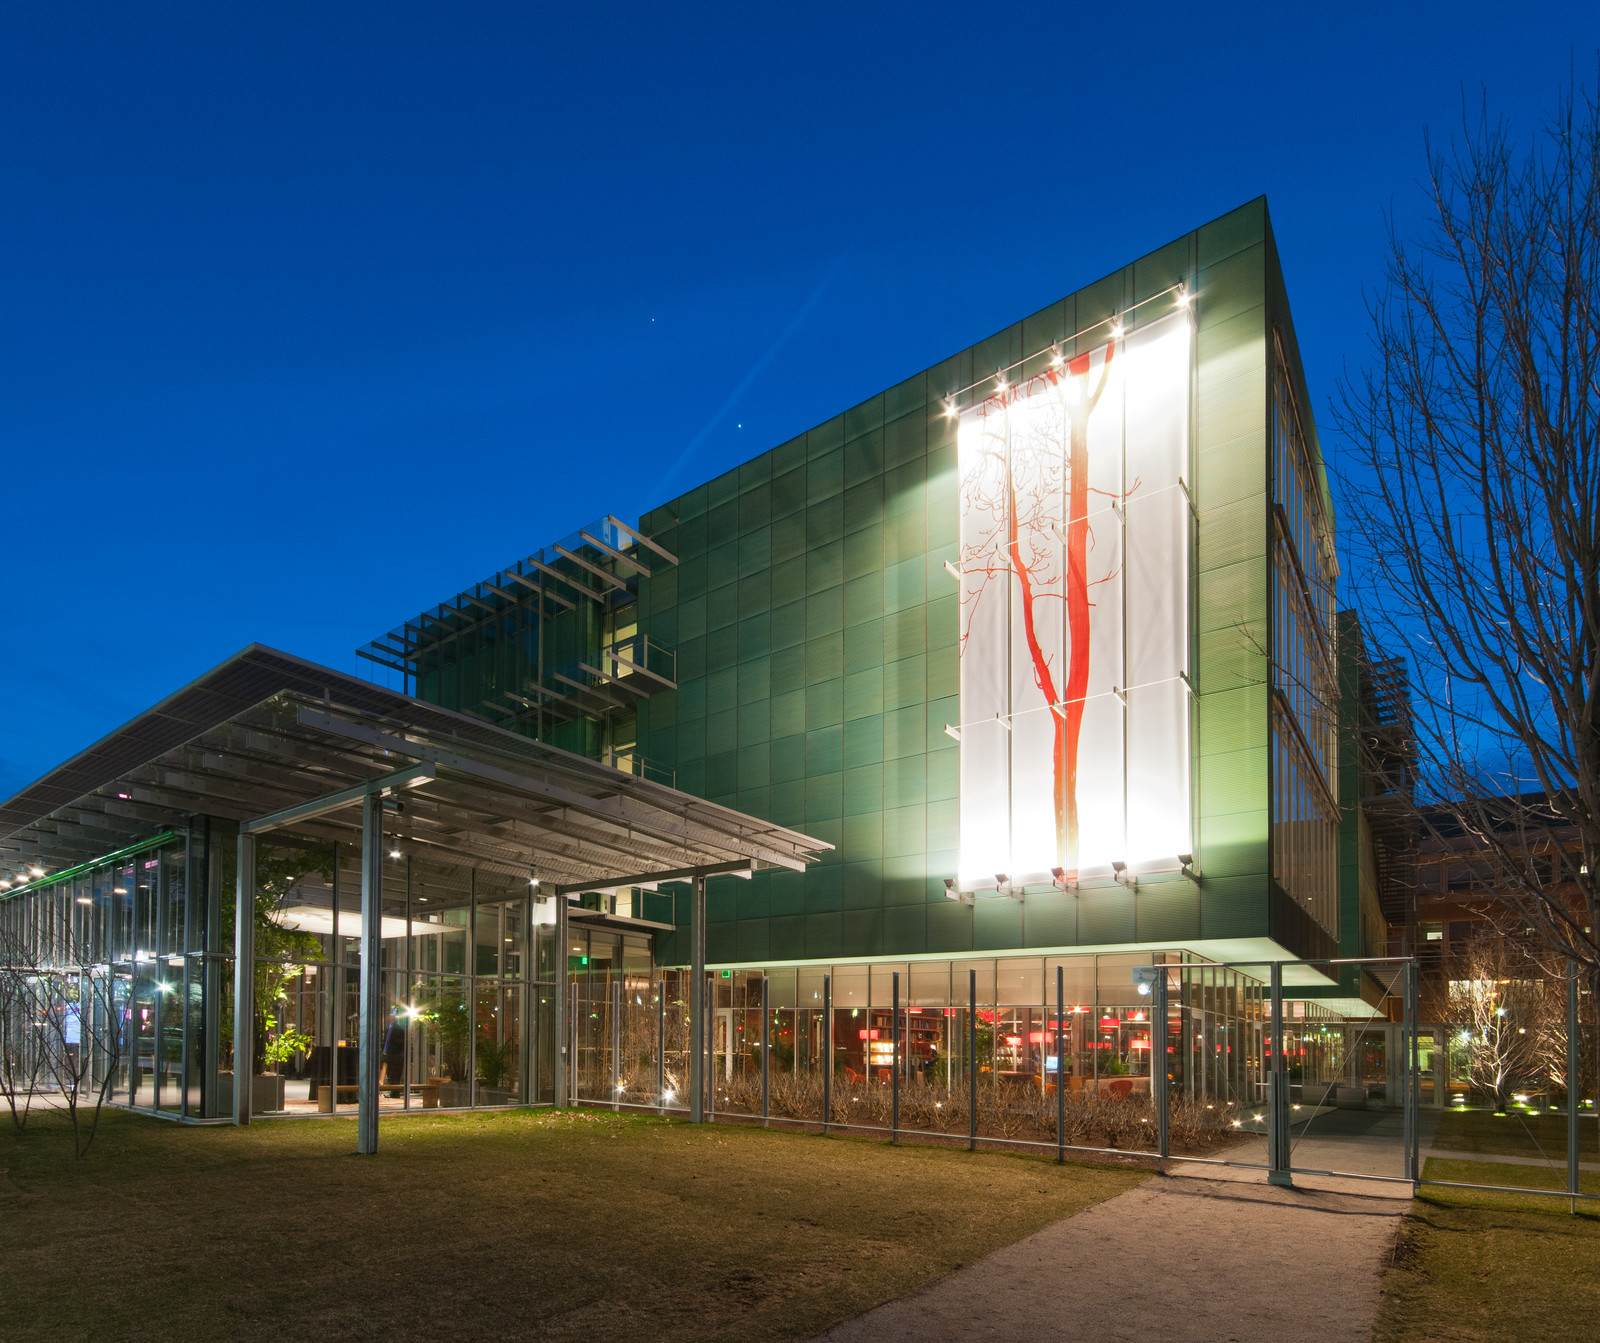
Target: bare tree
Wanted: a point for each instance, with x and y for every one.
(1471, 485)
(83, 1035)
(1502, 1013)
(19, 1036)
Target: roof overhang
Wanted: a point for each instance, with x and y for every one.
(265, 732)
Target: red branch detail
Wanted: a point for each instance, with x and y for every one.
(1066, 707)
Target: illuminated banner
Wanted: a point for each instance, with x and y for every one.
(1074, 615)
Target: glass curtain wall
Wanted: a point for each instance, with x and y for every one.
(128, 966)
(1305, 811)
(466, 972)
(983, 1027)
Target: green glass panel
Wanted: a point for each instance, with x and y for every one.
(863, 741)
(825, 659)
(788, 758)
(863, 789)
(788, 713)
(863, 646)
(825, 750)
(905, 682)
(863, 599)
(863, 552)
(825, 613)
(824, 704)
(863, 693)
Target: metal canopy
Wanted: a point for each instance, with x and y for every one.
(265, 732)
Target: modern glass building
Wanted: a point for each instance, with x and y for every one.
(1032, 662)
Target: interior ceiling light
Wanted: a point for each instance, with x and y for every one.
(37, 871)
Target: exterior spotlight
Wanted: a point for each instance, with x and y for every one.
(1060, 880)
(1120, 874)
(1182, 297)
(1000, 718)
(5, 885)
(1116, 331)
(1186, 866)
(1056, 357)
(36, 871)
(394, 851)
(1000, 383)
(85, 900)
(534, 882)
(953, 732)
(950, 407)
(951, 569)
(953, 892)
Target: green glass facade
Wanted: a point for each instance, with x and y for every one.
(807, 628)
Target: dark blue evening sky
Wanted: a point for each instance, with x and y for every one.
(313, 314)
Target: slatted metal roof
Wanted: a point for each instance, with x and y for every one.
(265, 730)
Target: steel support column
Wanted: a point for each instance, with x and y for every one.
(370, 978)
(1574, 1043)
(894, 1058)
(1159, 1074)
(1410, 1079)
(562, 1029)
(766, 1049)
(1278, 1092)
(1061, 1065)
(244, 976)
(827, 1050)
(697, 1001)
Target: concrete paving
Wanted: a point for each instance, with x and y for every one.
(1205, 1254)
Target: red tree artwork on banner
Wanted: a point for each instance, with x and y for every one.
(1017, 485)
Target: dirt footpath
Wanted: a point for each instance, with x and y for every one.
(1206, 1254)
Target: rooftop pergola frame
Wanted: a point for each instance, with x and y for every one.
(274, 743)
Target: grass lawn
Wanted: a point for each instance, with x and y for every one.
(1516, 1134)
(525, 1224)
(1472, 1265)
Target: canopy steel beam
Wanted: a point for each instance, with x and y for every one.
(647, 878)
(619, 806)
(412, 777)
(616, 583)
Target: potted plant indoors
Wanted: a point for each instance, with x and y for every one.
(447, 1015)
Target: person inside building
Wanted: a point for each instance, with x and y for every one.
(394, 1049)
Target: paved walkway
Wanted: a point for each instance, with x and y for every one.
(1204, 1254)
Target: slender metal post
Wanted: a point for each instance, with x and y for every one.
(697, 1002)
(190, 911)
(894, 1059)
(1159, 1079)
(1573, 1044)
(1061, 1065)
(561, 987)
(616, 1039)
(766, 1048)
(244, 977)
(211, 982)
(1277, 1092)
(1412, 1081)
(827, 1050)
(371, 985)
(661, 1047)
(972, 1060)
